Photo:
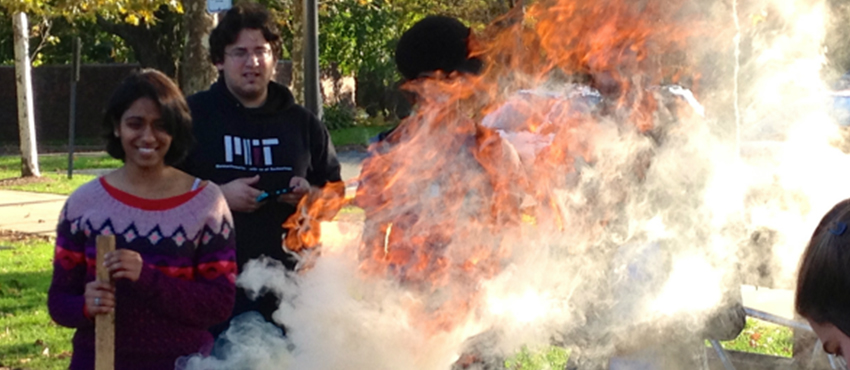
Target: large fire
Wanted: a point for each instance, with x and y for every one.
(442, 218)
(575, 192)
(576, 185)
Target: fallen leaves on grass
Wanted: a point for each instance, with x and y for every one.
(16, 236)
(754, 337)
(15, 181)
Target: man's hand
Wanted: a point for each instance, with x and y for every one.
(240, 195)
(300, 186)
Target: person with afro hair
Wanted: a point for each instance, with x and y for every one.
(436, 43)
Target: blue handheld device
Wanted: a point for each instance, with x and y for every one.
(265, 195)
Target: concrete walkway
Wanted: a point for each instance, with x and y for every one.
(30, 213)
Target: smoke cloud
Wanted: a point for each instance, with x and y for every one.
(643, 237)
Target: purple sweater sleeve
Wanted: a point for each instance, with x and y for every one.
(65, 299)
(208, 298)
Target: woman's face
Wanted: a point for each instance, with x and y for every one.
(835, 342)
(142, 135)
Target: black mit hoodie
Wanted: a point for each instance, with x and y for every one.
(277, 141)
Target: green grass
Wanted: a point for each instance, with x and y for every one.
(757, 337)
(54, 170)
(59, 162)
(528, 359)
(52, 183)
(763, 338)
(359, 135)
(28, 337)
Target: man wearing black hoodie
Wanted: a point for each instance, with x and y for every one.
(252, 138)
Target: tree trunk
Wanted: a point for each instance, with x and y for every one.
(26, 118)
(296, 84)
(196, 72)
(312, 79)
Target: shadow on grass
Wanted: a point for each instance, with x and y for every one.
(31, 356)
(22, 349)
(32, 340)
(24, 292)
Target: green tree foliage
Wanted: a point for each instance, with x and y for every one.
(7, 44)
(130, 11)
(157, 42)
(107, 29)
(51, 42)
(359, 37)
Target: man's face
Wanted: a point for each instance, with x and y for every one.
(248, 67)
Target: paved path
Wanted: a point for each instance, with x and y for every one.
(31, 213)
(35, 213)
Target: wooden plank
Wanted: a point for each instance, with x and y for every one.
(104, 324)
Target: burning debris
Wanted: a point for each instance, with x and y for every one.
(576, 192)
(528, 139)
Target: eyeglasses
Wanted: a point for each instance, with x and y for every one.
(241, 54)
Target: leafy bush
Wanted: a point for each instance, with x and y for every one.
(338, 116)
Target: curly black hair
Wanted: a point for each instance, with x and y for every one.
(436, 43)
(243, 15)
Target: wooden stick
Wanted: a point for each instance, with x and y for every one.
(104, 324)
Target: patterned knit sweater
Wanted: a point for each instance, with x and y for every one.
(187, 281)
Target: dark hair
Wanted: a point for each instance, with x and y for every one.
(176, 119)
(436, 43)
(243, 15)
(823, 280)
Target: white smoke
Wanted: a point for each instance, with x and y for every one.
(646, 255)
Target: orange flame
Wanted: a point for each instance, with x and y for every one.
(318, 205)
(445, 195)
